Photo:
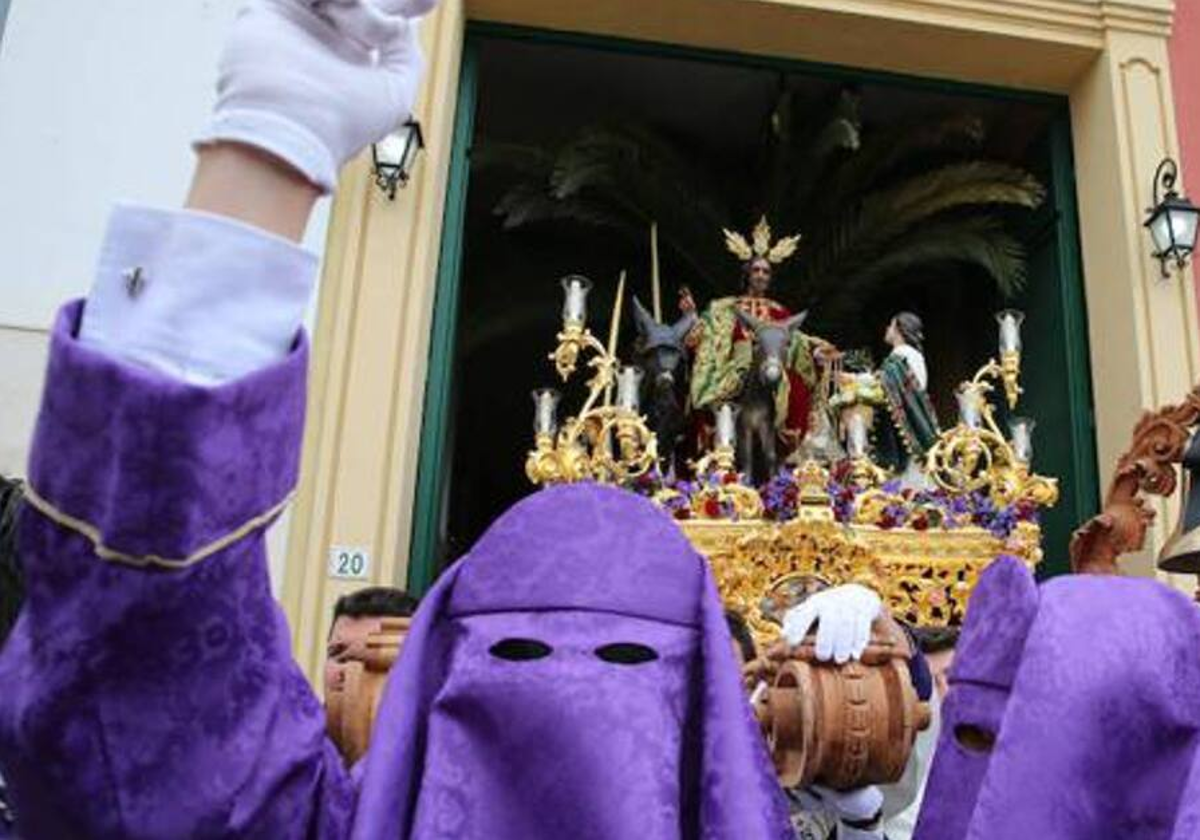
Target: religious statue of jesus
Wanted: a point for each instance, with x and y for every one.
(723, 348)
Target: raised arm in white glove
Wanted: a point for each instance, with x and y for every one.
(313, 82)
(201, 297)
(843, 615)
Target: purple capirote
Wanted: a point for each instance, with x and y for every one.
(153, 702)
(569, 744)
(1091, 687)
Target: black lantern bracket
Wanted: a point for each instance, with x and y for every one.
(393, 157)
(1172, 221)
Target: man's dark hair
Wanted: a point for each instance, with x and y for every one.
(375, 600)
(935, 639)
(740, 631)
(12, 584)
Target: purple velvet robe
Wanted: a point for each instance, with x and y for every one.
(1091, 686)
(162, 701)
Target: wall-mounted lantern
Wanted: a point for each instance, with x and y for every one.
(395, 155)
(1172, 219)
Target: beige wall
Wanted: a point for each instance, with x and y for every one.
(371, 347)
(377, 294)
(23, 352)
(78, 103)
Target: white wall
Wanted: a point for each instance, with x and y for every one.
(98, 101)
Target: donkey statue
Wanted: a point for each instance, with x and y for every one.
(756, 446)
(661, 352)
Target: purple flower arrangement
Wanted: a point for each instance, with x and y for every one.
(698, 497)
(779, 496)
(919, 510)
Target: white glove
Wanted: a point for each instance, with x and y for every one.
(315, 81)
(861, 805)
(844, 613)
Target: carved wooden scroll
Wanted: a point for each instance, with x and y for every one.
(1148, 466)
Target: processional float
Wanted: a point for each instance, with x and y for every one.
(922, 550)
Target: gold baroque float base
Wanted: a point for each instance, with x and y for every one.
(925, 577)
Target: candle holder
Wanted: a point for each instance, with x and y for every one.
(629, 387)
(971, 400)
(1009, 322)
(723, 457)
(545, 416)
(575, 294)
(717, 468)
(582, 449)
(1020, 432)
(975, 456)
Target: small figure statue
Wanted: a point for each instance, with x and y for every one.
(913, 426)
(724, 347)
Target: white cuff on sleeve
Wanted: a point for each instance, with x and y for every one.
(197, 296)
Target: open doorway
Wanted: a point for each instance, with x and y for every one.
(704, 135)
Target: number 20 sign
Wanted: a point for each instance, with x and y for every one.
(349, 563)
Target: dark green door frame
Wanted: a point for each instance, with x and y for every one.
(433, 465)
(429, 514)
(1076, 466)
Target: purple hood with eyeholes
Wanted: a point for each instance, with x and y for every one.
(571, 677)
(1073, 714)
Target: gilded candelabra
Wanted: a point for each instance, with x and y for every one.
(727, 490)
(604, 442)
(975, 456)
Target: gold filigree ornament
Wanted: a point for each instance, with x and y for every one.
(752, 560)
(760, 245)
(743, 501)
(604, 443)
(813, 502)
(924, 577)
(975, 457)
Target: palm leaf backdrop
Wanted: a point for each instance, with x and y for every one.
(872, 206)
(618, 177)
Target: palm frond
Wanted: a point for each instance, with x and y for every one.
(883, 152)
(627, 176)
(981, 241)
(529, 161)
(804, 151)
(956, 185)
(868, 205)
(871, 231)
(526, 204)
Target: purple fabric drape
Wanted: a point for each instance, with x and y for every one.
(1092, 688)
(163, 702)
(151, 702)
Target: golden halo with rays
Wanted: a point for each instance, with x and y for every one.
(759, 244)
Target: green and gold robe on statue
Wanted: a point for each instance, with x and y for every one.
(913, 426)
(724, 351)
